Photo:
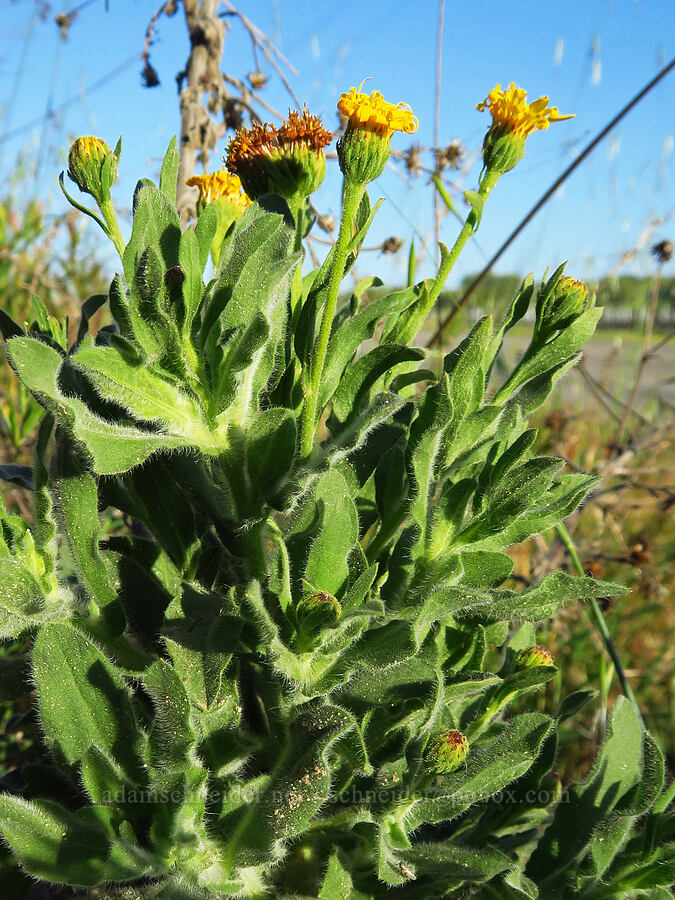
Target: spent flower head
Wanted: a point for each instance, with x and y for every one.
(288, 160)
(513, 119)
(92, 165)
(364, 148)
(663, 251)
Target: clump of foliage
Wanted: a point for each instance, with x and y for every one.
(275, 682)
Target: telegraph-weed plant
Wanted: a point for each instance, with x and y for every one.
(291, 669)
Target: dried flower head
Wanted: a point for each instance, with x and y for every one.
(413, 161)
(288, 160)
(663, 251)
(450, 156)
(392, 244)
(326, 223)
(257, 80)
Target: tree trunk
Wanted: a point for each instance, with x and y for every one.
(199, 133)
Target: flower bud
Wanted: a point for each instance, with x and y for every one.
(559, 307)
(532, 657)
(92, 165)
(447, 751)
(316, 609)
(364, 148)
(288, 160)
(502, 149)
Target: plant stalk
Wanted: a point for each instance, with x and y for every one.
(351, 197)
(598, 620)
(449, 259)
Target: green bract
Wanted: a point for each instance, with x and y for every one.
(264, 682)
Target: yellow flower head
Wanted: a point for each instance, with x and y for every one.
(371, 112)
(510, 110)
(363, 150)
(513, 118)
(220, 186)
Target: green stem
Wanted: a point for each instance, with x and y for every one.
(296, 281)
(114, 233)
(598, 620)
(450, 258)
(351, 197)
(386, 533)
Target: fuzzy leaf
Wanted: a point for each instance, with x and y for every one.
(84, 701)
(171, 736)
(327, 567)
(517, 491)
(113, 448)
(169, 173)
(617, 770)
(76, 498)
(270, 450)
(365, 374)
(448, 864)
(337, 882)
(347, 338)
(144, 394)
(21, 599)
(59, 846)
(490, 766)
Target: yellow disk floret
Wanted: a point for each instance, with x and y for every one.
(372, 113)
(510, 110)
(220, 186)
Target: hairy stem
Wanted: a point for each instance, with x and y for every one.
(351, 197)
(449, 259)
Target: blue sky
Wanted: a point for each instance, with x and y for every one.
(589, 57)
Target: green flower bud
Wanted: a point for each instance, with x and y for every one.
(532, 657)
(559, 306)
(447, 751)
(92, 165)
(315, 610)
